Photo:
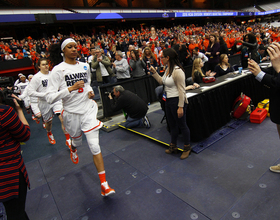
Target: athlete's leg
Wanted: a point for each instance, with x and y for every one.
(62, 125)
(93, 142)
(48, 126)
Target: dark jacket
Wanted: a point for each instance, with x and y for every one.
(223, 49)
(198, 77)
(214, 58)
(247, 50)
(220, 72)
(132, 104)
(272, 80)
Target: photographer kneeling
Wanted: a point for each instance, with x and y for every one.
(132, 104)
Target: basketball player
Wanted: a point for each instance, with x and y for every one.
(38, 88)
(70, 81)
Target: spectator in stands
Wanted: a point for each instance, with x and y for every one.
(130, 48)
(184, 55)
(223, 46)
(121, 67)
(92, 54)
(113, 53)
(102, 65)
(25, 52)
(43, 46)
(8, 56)
(176, 100)
(80, 57)
(106, 53)
(197, 72)
(271, 78)
(2, 54)
(223, 67)
(85, 50)
(197, 54)
(248, 47)
(149, 59)
(137, 64)
(14, 178)
(135, 108)
(13, 47)
(213, 52)
(260, 55)
(153, 37)
(38, 47)
(192, 45)
(144, 45)
(19, 55)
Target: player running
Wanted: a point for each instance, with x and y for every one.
(70, 81)
(38, 88)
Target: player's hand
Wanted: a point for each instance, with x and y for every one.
(76, 86)
(91, 95)
(110, 96)
(254, 67)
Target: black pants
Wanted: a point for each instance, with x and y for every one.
(106, 79)
(15, 208)
(171, 107)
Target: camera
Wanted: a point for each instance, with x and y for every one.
(110, 92)
(6, 91)
(148, 64)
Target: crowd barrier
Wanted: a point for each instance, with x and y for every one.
(209, 106)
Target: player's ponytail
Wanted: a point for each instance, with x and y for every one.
(55, 53)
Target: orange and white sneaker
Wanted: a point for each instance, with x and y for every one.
(51, 138)
(74, 156)
(33, 117)
(68, 143)
(37, 120)
(106, 190)
(44, 125)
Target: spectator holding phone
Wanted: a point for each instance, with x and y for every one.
(271, 78)
(149, 59)
(176, 100)
(121, 67)
(137, 64)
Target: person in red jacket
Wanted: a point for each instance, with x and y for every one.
(19, 55)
